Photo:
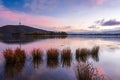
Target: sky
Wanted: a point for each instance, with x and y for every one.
(62, 15)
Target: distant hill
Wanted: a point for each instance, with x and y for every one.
(11, 29)
(26, 30)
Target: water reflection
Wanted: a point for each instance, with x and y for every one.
(15, 61)
(17, 39)
(12, 70)
(84, 54)
(66, 57)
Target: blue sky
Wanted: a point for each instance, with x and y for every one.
(66, 15)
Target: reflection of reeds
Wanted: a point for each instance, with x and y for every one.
(14, 56)
(14, 61)
(94, 53)
(11, 70)
(66, 57)
(37, 57)
(82, 54)
(87, 72)
(52, 58)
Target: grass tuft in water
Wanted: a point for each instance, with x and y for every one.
(94, 53)
(52, 58)
(37, 57)
(66, 57)
(82, 54)
(14, 56)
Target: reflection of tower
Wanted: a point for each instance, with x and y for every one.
(20, 36)
(20, 43)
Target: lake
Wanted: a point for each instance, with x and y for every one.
(89, 65)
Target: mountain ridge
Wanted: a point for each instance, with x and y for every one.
(9, 29)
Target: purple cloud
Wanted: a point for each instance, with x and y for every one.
(92, 27)
(48, 5)
(111, 22)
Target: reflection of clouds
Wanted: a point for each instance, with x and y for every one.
(51, 75)
(117, 72)
(99, 70)
(109, 60)
(12, 70)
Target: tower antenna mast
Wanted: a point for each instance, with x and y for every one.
(20, 23)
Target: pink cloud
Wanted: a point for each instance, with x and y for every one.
(99, 2)
(29, 19)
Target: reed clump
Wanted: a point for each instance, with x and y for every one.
(95, 50)
(95, 53)
(14, 56)
(37, 54)
(52, 54)
(66, 57)
(82, 54)
(66, 53)
(37, 57)
(52, 58)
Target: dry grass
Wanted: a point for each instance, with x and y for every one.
(37, 53)
(87, 72)
(94, 53)
(14, 56)
(15, 60)
(82, 54)
(52, 53)
(66, 53)
(66, 57)
(37, 57)
(95, 50)
(52, 58)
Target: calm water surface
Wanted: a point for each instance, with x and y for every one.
(106, 62)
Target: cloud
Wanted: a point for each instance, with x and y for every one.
(111, 22)
(92, 27)
(63, 28)
(42, 5)
(99, 2)
(100, 21)
(50, 5)
(29, 19)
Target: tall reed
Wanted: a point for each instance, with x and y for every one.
(14, 61)
(82, 54)
(66, 57)
(52, 58)
(37, 57)
(95, 53)
(14, 56)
